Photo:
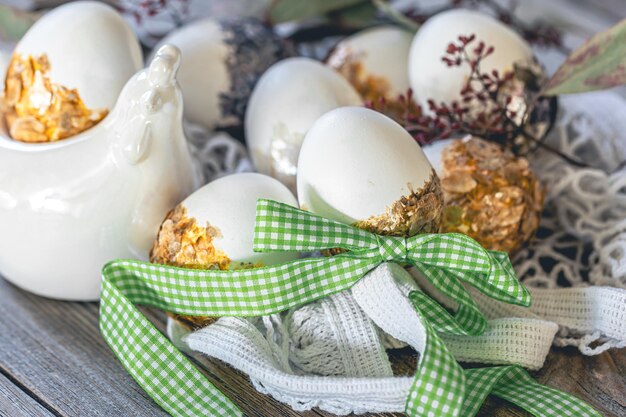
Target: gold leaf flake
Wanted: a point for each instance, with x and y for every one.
(419, 212)
(37, 110)
(182, 242)
(490, 194)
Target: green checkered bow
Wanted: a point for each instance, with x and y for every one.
(446, 260)
(441, 387)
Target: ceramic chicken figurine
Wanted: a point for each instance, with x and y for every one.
(68, 207)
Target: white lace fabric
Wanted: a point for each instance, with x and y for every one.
(331, 354)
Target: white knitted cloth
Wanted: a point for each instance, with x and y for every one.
(331, 354)
(373, 388)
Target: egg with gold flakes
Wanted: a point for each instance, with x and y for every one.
(213, 228)
(362, 168)
(286, 101)
(375, 61)
(67, 71)
(490, 194)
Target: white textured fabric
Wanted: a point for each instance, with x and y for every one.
(520, 341)
(377, 297)
(333, 336)
(383, 301)
(516, 335)
(253, 350)
(584, 224)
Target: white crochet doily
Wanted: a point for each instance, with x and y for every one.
(331, 354)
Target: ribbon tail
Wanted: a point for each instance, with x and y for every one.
(503, 282)
(468, 316)
(157, 366)
(439, 384)
(242, 292)
(512, 383)
(439, 317)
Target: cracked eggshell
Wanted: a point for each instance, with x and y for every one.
(431, 78)
(90, 47)
(286, 101)
(355, 162)
(221, 62)
(229, 204)
(382, 55)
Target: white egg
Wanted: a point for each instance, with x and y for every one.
(229, 204)
(433, 153)
(221, 62)
(432, 79)
(90, 48)
(286, 101)
(355, 162)
(382, 53)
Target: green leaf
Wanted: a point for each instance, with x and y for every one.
(359, 16)
(13, 23)
(287, 10)
(395, 16)
(453, 215)
(598, 64)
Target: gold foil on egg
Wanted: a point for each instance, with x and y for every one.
(182, 242)
(37, 110)
(419, 212)
(348, 63)
(491, 195)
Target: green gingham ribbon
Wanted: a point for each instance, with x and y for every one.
(441, 387)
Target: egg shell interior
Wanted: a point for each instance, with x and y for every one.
(293, 92)
(229, 204)
(356, 162)
(431, 78)
(90, 48)
(203, 73)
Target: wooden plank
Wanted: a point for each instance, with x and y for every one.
(16, 403)
(56, 353)
(69, 367)
(600, 380)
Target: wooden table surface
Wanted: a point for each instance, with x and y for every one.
(53, 361)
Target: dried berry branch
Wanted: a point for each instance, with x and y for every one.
(483, 109)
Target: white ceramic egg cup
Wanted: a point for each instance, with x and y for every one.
(68, 207)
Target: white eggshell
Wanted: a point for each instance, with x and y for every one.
(431, 78)
(433, 153)
(229, 204)
(383, 52)
(90, 48)
(292, 94)
(203, 73)
(356, 162)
